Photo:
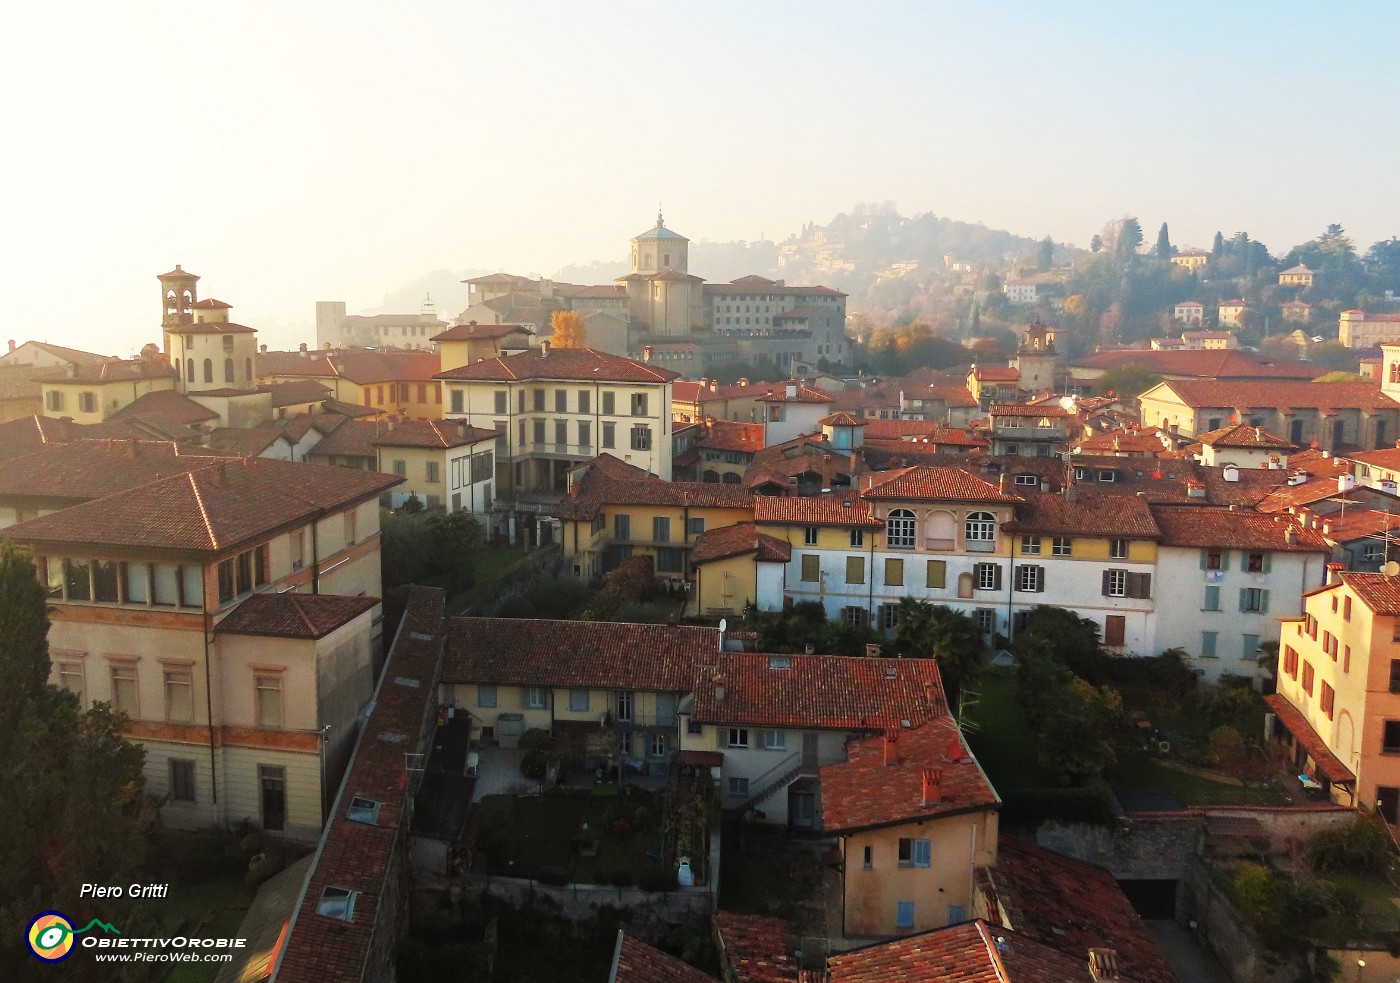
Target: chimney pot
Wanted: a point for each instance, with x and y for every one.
(719, 694)
(544, 348)
(932, 785)
(891, 757)
(302, 347)
(12, 348)
(1103, 965)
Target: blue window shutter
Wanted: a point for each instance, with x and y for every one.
(923, 854)
(1224, 559)
(1268, 562)
(1205, 558)
(956, 914)
(1244, 599)
(1212, 598)
(905, 915)
(1264, 601)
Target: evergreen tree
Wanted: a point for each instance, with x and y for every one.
(1095, 243)
(1217, 247)
(1045, 256)
(1129, 239)
(1164, 243)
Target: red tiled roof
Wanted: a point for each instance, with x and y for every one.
(294, 615)
(251, 441)
(210, 304)
(1202, 364)
(574, 364)
(867, 790)
(804, 394)
(74, 355)
(600, 489)
(756, 285)
(1387, 457)
(830, 692)
(1073, 907)
(1206, 528)
(85, 469)
(1293, 720)
(30, 433)
(354, 855)
(353, 438)
(104, 373)
(841, 419)
(167, 404)
(973, 952)
(296, 391)
(636, 962)
(839, 508)
(755, 948)
(1282, 395)
(996, 373)
(213, 327)
(604, 655)
(945, 484)
(1036, 410)
(358, 365)
(726, 541)
(26, 381)
(1377, 591)
(1090, 514)
(214, 508)
(430, 434)
(471, 331)
(900, 429)
(1245, 436)
(728, 435)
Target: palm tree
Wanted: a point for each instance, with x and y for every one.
(932, 631)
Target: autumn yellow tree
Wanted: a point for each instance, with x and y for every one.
(568, 330)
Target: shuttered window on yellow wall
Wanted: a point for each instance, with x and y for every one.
(937, 573)
(811, 567)
(894, 573)
(855, 569)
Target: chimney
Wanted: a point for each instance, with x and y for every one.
(1001, 483)
(1289, 535)
(889, 741)
(743, 381)
(12, 348)
(544, 348)
(791, 391)
(263, 349)
(302, 348)
(932, 785)
(462, 429)
(646, 353)
(872, 650)
(1103, 965)
(1334, 573)
(714, 387)
(809, 649)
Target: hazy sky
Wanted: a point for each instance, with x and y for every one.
(291, 152)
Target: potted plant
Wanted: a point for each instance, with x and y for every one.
(586, 839)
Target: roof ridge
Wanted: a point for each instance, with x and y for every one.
(992, 950)
(301, 613)
(203, 511)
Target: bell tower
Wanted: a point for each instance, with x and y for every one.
(178, 293)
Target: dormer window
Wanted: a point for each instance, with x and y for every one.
(337, 902)
(363, 811)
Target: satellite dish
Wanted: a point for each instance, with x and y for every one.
(1391, 569)
(724, 622)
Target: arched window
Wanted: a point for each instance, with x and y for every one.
(980, 531)
(189, 370)
(711, 476)
(248, 370)
(208, 370)
(899, 530)
(730, 478)
(228, 370)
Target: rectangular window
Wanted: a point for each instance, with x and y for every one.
(77, 582)
(433, 472)
(695, 527)
(179, 696)
(658, 744)
(811, 568)
(1255, 599)
(1346, 608)
(585, 435)
(268, 698)
(1395, 675)
(1290, 661)
(1390, 739)
(561, 434)
(337, 902)
(856, 616)
(622, 527)
(298, 543)
(578, 700)
(936, 574)
(738, 737)
(1215, 560)
(1115, 583)
(1118, 549)
(1030, 545)
(669, 560)
(915, 853)
(350, 531)
(536, 697)
(609, 404)
(1208, 640)
(1061, 546)
(661, 529)
(904, 914)
(125, 695)
(539, 400)
(181, 781)
(1327, 699)
(499, 401)
(539, 431)
(70, 677)
(889, 616)
(739, 787)
(625, 700)
(1249, 647)
(1254, 562)
(1030, 579)
(1115, 628)
(894, 573)
(869, 858)
(1212, 601)
(773, 740)
(166, 582)
(986, 621)
(561, 401)
(809, 536)
(855, 569)
(609, 436)
(459, 404)
(639, 404)
(486, 697)
(1307, 677)
(857, 538)
(584, 401)
(987, 576)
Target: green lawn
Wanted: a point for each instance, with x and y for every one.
(1137, 770)
(491, 560)
(211, 908)
(1002, 743)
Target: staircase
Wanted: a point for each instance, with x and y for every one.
(779, 776)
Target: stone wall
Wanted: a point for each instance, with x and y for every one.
(1221, 929)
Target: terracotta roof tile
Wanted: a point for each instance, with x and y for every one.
(943, 484)
(85, 469)
(353, 438)
(804, 394)
(755, 948)
(119, 370)
(881, 782)
(606, 655)
(838, 508)
(828, 692)
(1292, 718)
(729, 435)
(30, 433)
(74, 355)
(251, 441)
(430, 434)
(26, 381)
(1377, 591)
(841, 419)
(726, 541)
(1208, 528)
(214, 327)
(636, 962)
(169, 405)
(1089, 514)
(296, 391)
(1244, 436)
(574, 364)
(1204, 364)
(1047, 410)
(599, 489)
(472, 331)
(973, 952)
(1072, 906)
(1387, 457)
(358, 365)
(1281, 394)
(294, 615)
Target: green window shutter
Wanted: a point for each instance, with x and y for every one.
(1205, 559)
(1264, 601)
(720, 735)
(937, 573)
(1224, 559)
(1268, 562)
(1244, 599)
(1212, 598)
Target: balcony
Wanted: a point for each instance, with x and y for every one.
(946, 545)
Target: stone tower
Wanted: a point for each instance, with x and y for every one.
(178, 295)
(1036, 358)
